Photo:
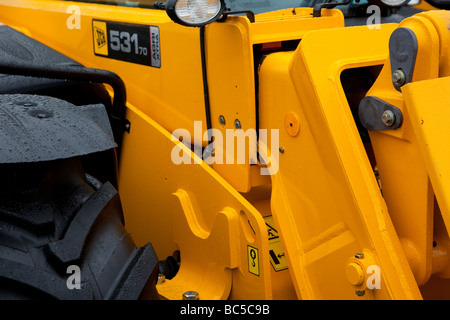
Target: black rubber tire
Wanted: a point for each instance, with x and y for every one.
(53, 216)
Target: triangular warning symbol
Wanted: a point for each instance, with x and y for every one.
(271, 231)
(273, 234)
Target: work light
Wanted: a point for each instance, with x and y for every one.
(195, 13)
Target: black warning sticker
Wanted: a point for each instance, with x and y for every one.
(127, 42)
(277, 257)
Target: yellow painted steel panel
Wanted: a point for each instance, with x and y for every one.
(430, 122)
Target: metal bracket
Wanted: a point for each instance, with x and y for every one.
(403, 48)
(250, 15)
(376, 114)
(317, 11)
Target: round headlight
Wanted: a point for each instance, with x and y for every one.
(195, 12)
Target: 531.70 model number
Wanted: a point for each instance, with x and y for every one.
(123, 41)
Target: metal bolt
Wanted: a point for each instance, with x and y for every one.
(237, 124)
(399, 77)
(388, 118)
(359, 255)
(281, 149)
(161, 278)
(222, 120)
(190, 295)
(360, 293)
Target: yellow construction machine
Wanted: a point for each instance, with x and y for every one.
(225, 149)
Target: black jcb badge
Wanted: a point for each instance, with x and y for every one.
(127, 42)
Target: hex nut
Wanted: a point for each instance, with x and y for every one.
(161, 278)
(190, 295)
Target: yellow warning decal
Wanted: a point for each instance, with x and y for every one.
(253, 260)
(100, 37)
(277, 257)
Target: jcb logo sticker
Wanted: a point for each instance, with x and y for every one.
(100, 37)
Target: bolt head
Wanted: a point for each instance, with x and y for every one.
(359, 255)
(161, 278)
(360, 293)
(237, 124)
(222, 120)
(190, 295)
(388, 118)
(281, 149)
(399, 77)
